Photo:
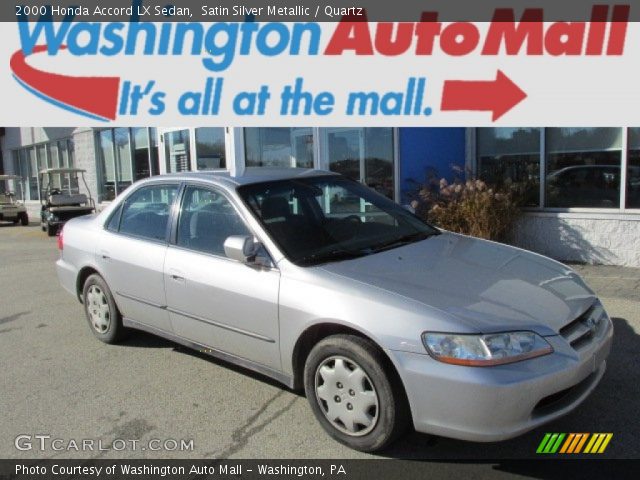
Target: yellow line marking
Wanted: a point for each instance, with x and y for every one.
(605, 443)
(596, 445)
(592, 440)
(584, 439)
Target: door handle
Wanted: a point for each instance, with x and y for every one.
(176, 275)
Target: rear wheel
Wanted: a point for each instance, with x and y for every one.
(24, 218)
(101, 311)
(356, 398)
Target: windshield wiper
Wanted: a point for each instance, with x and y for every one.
(404, 240)
(331, 256)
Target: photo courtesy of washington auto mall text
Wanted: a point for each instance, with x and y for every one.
(343, 239)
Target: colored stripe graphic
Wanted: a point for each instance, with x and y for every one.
(550, 443)
(94, 97)
(555, 443)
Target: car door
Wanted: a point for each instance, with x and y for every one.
(213, 300)
(132, 250)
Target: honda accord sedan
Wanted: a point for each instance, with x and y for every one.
(319, 282)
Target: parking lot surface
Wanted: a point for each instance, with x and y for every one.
(58, 380)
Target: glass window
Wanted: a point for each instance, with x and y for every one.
(140, 153)
(210, 148)
(378, 160)
(279, 147)
(583, 167)
(30, 154)
(362, 154)
(63, 151)
(54, 162)
(123, 158)
(207, 219)
(114, 220)
(71, 149)
(510, 157)
(154, 157)
(29, 161)
(146, 212)
(298, 215)
(17, 170)
(107, 156)
(177, 154)
(633, 169)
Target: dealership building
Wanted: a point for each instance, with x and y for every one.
(582, 184)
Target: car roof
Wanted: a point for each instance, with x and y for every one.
(250, 175)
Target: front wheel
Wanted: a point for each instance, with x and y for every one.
(51, 230)
(101, 311)
(354, 394)
(24, 219)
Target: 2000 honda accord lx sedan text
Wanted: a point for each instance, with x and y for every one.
(319, 282)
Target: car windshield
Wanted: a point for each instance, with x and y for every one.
(329, 218)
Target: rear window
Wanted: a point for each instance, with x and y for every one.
(147, 210)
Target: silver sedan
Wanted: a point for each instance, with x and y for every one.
(321, 283)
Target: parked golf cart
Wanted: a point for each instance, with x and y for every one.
(61, 198)
(12, 210)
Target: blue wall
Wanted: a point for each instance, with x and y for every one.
(425, 149)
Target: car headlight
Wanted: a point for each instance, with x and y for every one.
(485, 350)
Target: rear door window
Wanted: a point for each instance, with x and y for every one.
(147, 210)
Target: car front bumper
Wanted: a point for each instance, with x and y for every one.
(486, 404)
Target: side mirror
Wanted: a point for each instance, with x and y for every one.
(242, 248)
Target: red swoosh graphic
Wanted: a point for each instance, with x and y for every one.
(96, 95)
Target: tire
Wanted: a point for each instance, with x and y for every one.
(51, 230)
(377, 396)
(104, 318)
(24, 219)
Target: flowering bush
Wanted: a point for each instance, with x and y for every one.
(470, 207)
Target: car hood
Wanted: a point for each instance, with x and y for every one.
(487, 286)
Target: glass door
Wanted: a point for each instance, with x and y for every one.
(177, 150)
(364, 155)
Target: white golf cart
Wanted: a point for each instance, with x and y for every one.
(61, 198)
(12, 210)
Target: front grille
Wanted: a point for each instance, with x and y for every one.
(579, 333)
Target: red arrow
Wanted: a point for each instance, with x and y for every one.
(92, 96)
(498, 96)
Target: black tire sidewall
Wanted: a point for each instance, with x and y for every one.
(24, 219)
(392, 419)
(115, 331)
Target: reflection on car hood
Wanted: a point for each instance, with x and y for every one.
(491, 286)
